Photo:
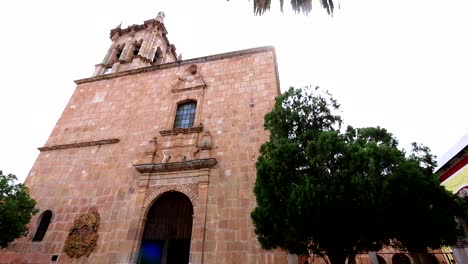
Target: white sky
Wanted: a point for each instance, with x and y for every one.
(398, 64)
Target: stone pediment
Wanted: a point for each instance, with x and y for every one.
(190, 79)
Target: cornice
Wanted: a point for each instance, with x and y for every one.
(179, 130)
(80, 144)
(136, 28)
(176, 166)
(184, 62)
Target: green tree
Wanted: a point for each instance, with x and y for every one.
(336, 193)
(299, 6)
(16, 209)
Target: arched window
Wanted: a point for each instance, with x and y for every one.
(136, 47)
(118, 51)
(43, 225)
(185, 115)
(158, 56)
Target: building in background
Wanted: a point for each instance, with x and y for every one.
(453, 174)
(153, 159)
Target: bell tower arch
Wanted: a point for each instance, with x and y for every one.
(137, 46)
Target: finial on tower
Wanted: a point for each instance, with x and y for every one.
(160, 17)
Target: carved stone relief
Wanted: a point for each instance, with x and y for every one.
(177, 148)
(190, 79)
(83, 236)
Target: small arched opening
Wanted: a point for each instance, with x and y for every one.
(400, 258)
(118, 51)
(137, 47)
(168, 230)
(158, 56)
(381, 260)
(41, 230)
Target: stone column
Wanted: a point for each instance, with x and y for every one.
(460, 254)
(198, 234)
(293, 259)
(373, 257)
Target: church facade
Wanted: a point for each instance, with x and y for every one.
(153, 159)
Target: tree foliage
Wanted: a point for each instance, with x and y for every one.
(338, 193)
(16, 209)
(299, 6)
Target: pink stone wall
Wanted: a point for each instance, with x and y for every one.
(240, 90)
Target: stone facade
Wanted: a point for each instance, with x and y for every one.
(114, 151)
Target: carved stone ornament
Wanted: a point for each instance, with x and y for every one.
(83, 236)
(206, 142)
(190, 79)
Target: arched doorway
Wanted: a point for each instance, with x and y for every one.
(400, 258)
(168, 230)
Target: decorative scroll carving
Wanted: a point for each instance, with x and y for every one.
(177, 153)
(176, 166)
(81, 144)
(83, 236)
(190, 79)
(177, 145)
(174, 147)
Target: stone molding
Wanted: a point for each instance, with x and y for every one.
(176, 166)
(221, 56)
(81, 144)
(190, 190)
(134, 28)
(178, 130)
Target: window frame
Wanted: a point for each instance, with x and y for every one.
(185, 118)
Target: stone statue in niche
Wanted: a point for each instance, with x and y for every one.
(83, 236)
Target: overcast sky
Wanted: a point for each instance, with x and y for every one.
(398, 64)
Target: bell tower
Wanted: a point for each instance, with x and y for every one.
(137, 46)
